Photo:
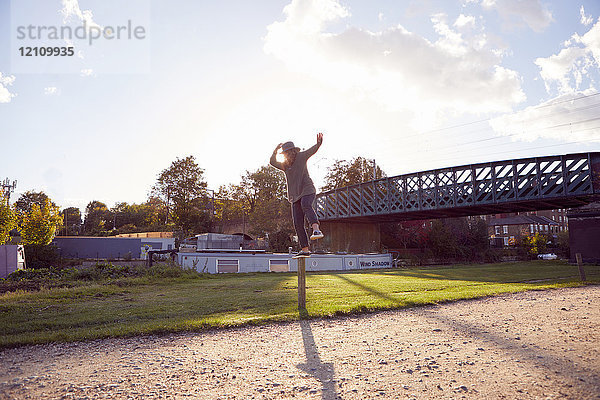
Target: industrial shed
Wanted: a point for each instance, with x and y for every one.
(110, 247)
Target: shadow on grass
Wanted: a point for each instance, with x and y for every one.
(492, 273)
(368, 289)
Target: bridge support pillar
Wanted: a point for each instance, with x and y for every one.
(584, 233)
(351, 237)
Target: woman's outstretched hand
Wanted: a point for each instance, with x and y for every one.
(319, 138)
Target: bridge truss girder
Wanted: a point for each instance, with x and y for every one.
(527, 184)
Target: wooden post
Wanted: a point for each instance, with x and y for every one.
(301, 283)
(580, 266)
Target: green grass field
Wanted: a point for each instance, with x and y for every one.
(134, 306)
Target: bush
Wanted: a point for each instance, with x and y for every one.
(280, 241)
(51, 277)
(563, 244)
(108, 271)
(535, 244)
(39, 256)
(30, 274)
(456, 239)
(491, 256)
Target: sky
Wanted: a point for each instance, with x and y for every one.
(412, 85)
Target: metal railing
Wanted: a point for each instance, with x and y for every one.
(501, 186)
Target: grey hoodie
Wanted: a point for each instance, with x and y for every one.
(296, 175)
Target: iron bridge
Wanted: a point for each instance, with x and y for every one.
(527, 184)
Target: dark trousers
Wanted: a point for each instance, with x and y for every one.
(303, 209)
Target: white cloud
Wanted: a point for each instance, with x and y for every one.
(569, 117)
(5, 95)
(571, 76)
(310, 17)
(51, 90)
(87, 72)
(465, 21)
(71, 8)
(458, 73)
(576, 66)
(557, 68)
(518, 12)
(585, 19)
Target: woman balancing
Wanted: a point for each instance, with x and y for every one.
(301, 190)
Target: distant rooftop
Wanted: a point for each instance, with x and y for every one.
(146, 235)
(522, 220)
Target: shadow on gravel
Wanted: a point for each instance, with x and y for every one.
(323, 372)
(587, 377)
(538, 358)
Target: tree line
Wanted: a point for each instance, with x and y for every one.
(179, 201)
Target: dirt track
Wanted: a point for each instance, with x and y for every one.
(534, 345)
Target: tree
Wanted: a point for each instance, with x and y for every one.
(478, 236)
(97, 218)
(197, 217)
(71, 221)
(467, 236)
(228, 206)
(281, 241)
(157, 212)
(441, 241)
(535, 244)
(269, 216)
(27, 199)
(262, 195)
(260, 199)
(540, 242)
(562, 243)
(183, 190)
(127, 218)
(458, 238)
(266, 183)
(121, 215)
(39, 225)
(8, 219)
(345, 173)
(265, 193)
(406, 234)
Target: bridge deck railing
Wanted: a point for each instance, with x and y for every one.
(476, 185)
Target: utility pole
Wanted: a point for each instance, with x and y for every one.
(212, 201)
(167, 202)
(8, 188)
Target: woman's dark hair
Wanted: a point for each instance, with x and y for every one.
(290, 157)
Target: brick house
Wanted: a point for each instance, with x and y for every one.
(506, 229)
(557, 215)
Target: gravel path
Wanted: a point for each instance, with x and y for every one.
(534, 345)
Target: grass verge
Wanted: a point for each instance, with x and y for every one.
(136, 306)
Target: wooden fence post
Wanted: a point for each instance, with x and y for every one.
(580, 266)
(301, 283)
